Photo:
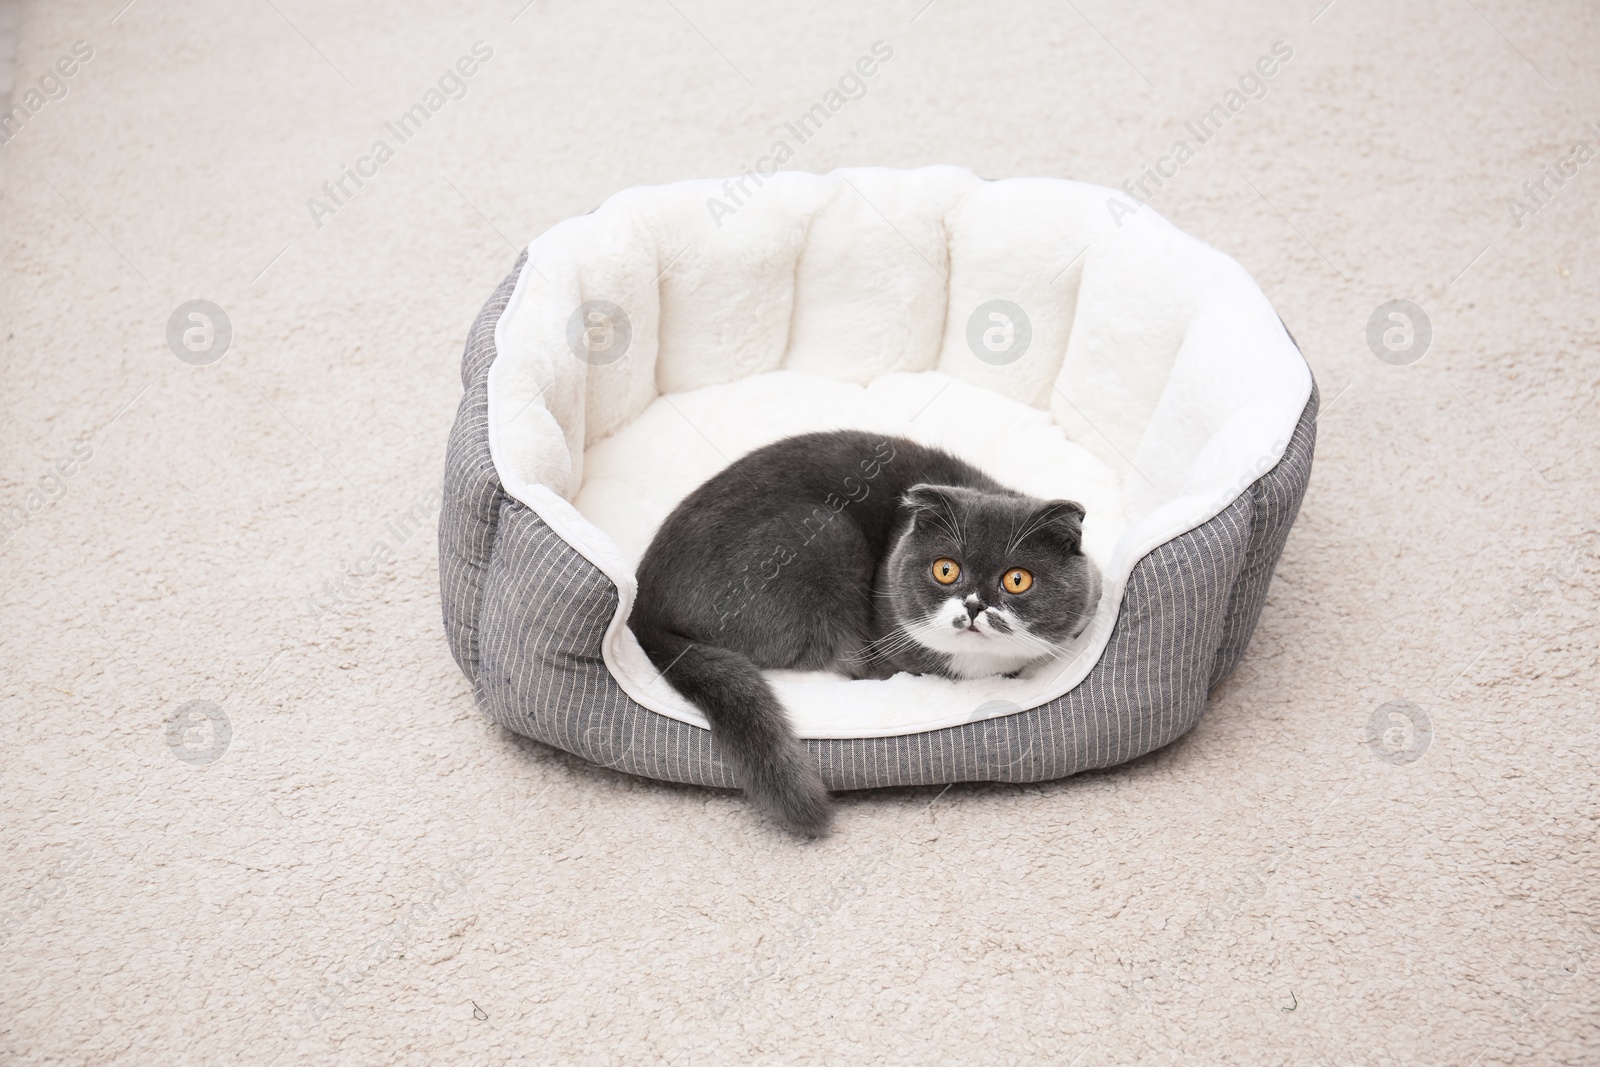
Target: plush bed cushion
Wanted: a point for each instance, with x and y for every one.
(637, 475)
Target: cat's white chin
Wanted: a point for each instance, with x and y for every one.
(975, 653)
(985, 664)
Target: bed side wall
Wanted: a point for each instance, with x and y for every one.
(545, 612)
(1276, 496)
(472, 492)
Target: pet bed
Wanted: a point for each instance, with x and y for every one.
(1069, 341)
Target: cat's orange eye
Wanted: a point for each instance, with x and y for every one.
(1017, 580)
(946, 571)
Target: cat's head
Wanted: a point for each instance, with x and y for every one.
(994, 580)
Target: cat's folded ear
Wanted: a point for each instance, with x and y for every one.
(1062, 517)
(926, 497)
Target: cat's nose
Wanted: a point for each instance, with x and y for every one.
(974, 608)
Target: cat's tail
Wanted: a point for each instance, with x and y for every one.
(749, 724)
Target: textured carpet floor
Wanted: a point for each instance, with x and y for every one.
(367, 872)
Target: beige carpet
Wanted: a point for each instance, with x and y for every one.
(369, 873)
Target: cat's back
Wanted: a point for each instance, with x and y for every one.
(854, 475)
(843, 463)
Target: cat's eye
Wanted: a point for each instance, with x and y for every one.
(946, 571)
(1017, 580)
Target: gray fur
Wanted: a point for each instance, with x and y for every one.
(817, 553)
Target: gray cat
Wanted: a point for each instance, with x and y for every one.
(853, 552)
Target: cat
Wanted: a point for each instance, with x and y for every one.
(854, 552)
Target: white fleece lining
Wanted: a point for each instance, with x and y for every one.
(1156, 357)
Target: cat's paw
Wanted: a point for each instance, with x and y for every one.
(876, 672)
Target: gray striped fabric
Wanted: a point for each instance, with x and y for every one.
(525, 614)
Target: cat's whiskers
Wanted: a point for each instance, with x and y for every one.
(1035, 524)
(901, 640)
(1049, 648)
(895, 641)
(1027, 640)
(957, 539)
